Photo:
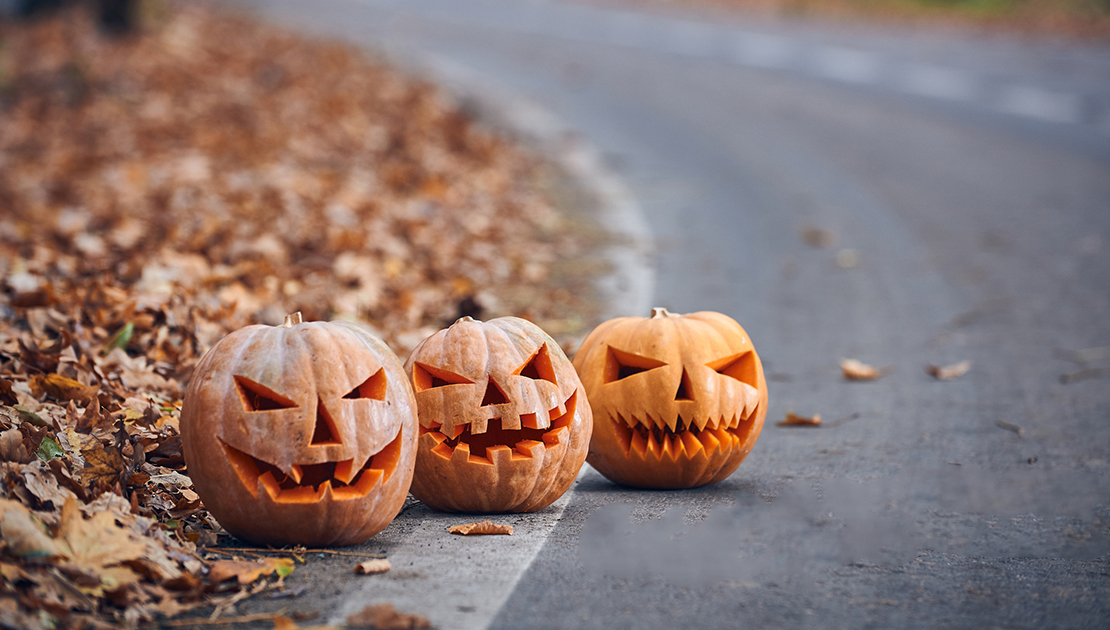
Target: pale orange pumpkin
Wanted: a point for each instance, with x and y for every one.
(300, 434)
(504, 423)
(678, 400)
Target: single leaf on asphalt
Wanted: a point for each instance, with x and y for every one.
(386, 617)
(481, 528)
(794, 420)
(949, 372)
(373, 566)
(856, 370)
(247, 571)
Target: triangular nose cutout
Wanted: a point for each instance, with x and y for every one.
(324, 433)
(684, 387)
(494, 395)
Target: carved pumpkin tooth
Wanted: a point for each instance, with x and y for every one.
(267, 481)
(709, 440)
(639, 444)
(624, 435)
(692, 443)
(555, 436)
(443, 449)
(555, 413)
(344, 471)
(461, 454)
(667, 448)
(530, 448)
(678, 447)
(530, 420)
(295, 473)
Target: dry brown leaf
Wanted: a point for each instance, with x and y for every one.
(23, 533)
(385, 617)
(855, 370)
(12, 448)
(61, 388)
(949, 372)
(794, 420)
(247, 571)
(370, 567)
(481, 528)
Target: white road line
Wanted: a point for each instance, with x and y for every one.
(691, 39)
(1034, 102)
(762, 51)
(937, 82)
(457, 582)
(848, 65)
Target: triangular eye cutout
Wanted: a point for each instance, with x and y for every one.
(684, 387)
(426, 377)
(620, 365)
(373, 387)
(494, 394)
(539, 366)
(741, 367)
(258, 397)
(324, 433)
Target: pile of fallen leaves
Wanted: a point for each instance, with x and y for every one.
(161, 190)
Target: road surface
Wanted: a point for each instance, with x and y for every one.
(901, 198)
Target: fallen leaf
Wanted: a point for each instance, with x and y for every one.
(24, 533)
(49, 449)
(481, 527)
(61, 388)
(103, 467)
(1002, 424)
(12, 449)
(373, 566)
(855, 370)
(385, 617)
(247, 571)
(949, 372)
(793, 420)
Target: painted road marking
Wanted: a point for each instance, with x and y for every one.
(937, 82)
(848, 65)
(1034, 102)
(455, 581)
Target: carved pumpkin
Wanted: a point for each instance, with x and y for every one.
(678, 400)
(302, 433)
(504, 423)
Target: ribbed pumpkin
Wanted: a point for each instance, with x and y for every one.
(504, 423)
(678, 400)
(303, 433)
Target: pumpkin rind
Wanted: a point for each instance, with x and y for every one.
(506, 388)
(678, 400)
(327, 456)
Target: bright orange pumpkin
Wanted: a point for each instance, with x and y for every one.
(504, 422)
(678, 400)
(303, 433)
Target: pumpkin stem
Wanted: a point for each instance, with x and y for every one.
(292, 320)
(659, 311)
(466, 318)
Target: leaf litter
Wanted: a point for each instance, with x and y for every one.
(164, 189)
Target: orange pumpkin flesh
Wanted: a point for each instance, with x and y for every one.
(678, 400)
(504, 424)
(300, 434)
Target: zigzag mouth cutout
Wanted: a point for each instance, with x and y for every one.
(646, 437)
(309, 483)
(523, 443)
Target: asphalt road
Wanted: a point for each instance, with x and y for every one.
(960, 188)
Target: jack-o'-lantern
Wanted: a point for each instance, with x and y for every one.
(504, 423)
(678, 400)
(302, 433)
